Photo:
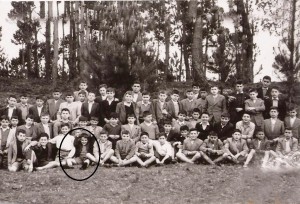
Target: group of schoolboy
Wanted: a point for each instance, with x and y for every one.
(85, 129)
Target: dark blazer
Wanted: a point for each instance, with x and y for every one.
(34, 111)
(53, 108)
(39, 128)
(267, 128)
(203, 133)
(120, 109)
(281, 145)
(264, 145)
(16, 112)
(216, 107)
(281, 108)
(95, 111)
(238, 102)
(260, 93)
(107, 109)
(171, 109)
(295, 128)
(225, 132)
(172, 136)
(157, 111)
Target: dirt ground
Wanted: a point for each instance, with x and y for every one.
(178, 183)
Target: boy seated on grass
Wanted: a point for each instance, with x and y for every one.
(19, 156)
(83, 152)
(144, 151)
(178, 139)
(163, 150)
(106, 151)
(236, 147)
(259, 146)
(213, 148)
(125, 150)
(66, 146)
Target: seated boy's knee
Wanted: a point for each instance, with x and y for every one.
(252, 151)
(198, 154)
(178, 154)
(111, 151)
(12, 168)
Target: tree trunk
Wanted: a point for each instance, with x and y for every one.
(72, 46)
(30, 72)
(55, 49)
(42, 9)
(35, 54)
(48, 69)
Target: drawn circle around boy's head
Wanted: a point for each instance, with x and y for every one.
(76, 179)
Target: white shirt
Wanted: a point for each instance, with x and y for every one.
(258, 145)
(67, 144)
(47, 129)
(90, 105)
(292, 120)
(10, 111)
(273, 121)
(109, 101)
(287, 146)
(135, 97)
(39, 110)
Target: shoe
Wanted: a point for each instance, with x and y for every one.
(245, 166)
(174, 161)
(84, 166)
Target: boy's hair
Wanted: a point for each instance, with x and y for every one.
(12, 96)
(225, 115)
(239, 81)
(145, 133)
(128, 93)
(131, 115)
(167, 122)
(136, 82)
(23, 95)
(65, 109)
(103, 132)
(56, 89)
(183, 112)
(145, 93)
(43, 134)
(94, 118)
(44, 114)
(4, 117)
(82, 118)
(203, 89)
(92, 92)
(110, 89)
(253, 90)
(184, 127)
(247, 113)
(84, 135)
(267, 77)
(65, 125)
(40, 98)
(162, 92)
(125, 132)
(195, 84)
(30, 116)
(21, 131)
(113, 115)
(274, 108)
(292, 108)
(146, 113)
(69, 94)
(83, 82)
(102, 86)
(82, 92)
(236, 130)
(289, 129)
(193, 129)
(275, 87)
(206, 113)
(189, 91)
(14, 117)
(214, 85)
(213, 133)
(175, 91)
(196, 110)
(257, 130)
(161, 135)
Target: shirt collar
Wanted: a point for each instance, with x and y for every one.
(275, 98)
(147, 103)
(12, 107)
(5, 128)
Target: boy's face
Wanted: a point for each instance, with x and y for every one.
(103, 138)
(82, 123)
(131, 120)
(184, 133)
(45, 119)
(64, 130)
(81, 97)
(236, 135)
(214, 90)
(190, 95)
(275, 93)
(288, 134)
(21, 137)
(102, 91)
(273, 113)
(260, 135)
(203, 94)
(224, 120)
(196, 115)
(266, 83)
(65, 115)
(84, 141)
(144, 139)
(293, 113)
(69, 99)
(246, 118)
(4, 123)
(91, 97)
(181, 117)
(167, 127)
(204, 118)
(43, 141)
(193, 134)
(162, 97)
(128, 98)
(253, 95)
(83, 86)
(213, 138)
(136, 88)
(196, 89)
(239, 87)
(14, 122)
(125, 137)
(113, 121)
(110, 94)
(12, 101)
(94, 122)
(24, 99)
(29, 121)
(146, 98)
(162, 140)
(56, 95)
(175, 97)
(148, 118)
(39, 102)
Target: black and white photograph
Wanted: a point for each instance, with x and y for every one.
(150, 102)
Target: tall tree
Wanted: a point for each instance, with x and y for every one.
(48, 68)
